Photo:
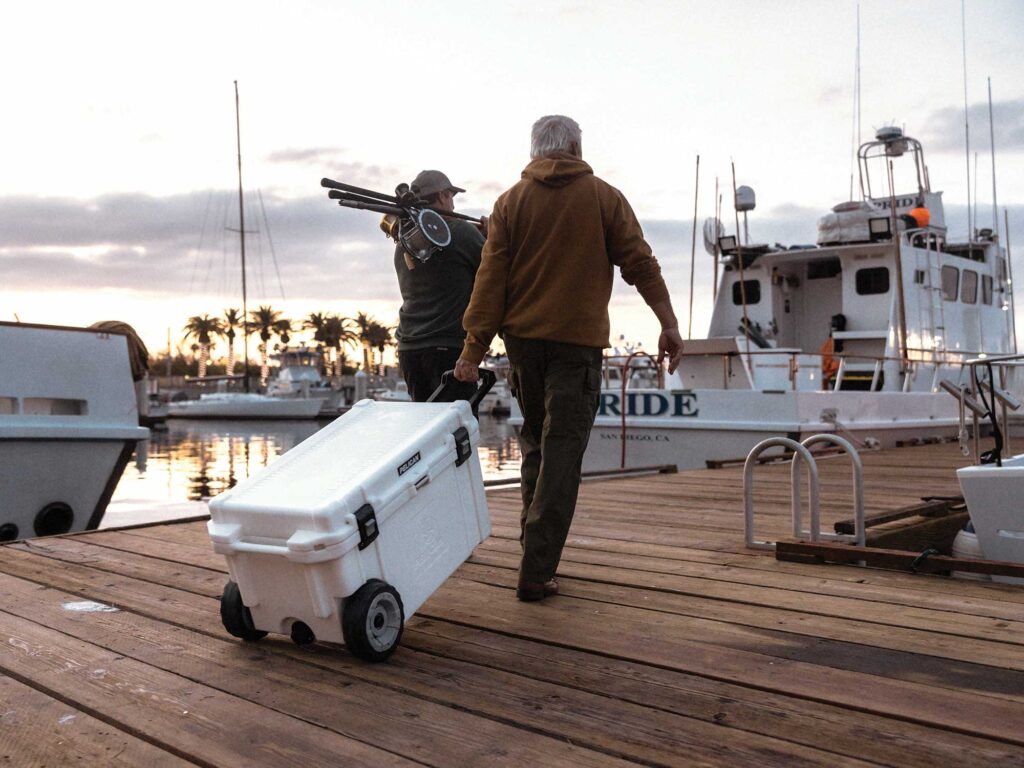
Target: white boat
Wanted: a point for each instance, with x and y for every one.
(245, 405)
(69, 422)
(295, 403)
(299, 376)
(400, 394)
(912, 306)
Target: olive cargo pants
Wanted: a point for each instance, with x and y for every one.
(558, 387)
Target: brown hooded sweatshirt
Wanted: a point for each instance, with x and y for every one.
(546, 269)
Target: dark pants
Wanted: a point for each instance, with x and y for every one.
(558, 387)
(422, 369)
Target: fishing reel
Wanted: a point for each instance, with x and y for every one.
(408, 219)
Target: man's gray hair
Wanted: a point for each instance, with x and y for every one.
(553, 133)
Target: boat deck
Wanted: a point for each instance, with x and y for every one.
(669, 645)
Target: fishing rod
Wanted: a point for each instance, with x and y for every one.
(403, 198)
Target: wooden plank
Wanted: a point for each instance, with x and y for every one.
(663, 640)
(836, 581)
(925, 509)
(893, 558)
(37, 729)
(994, 669)
(743, 603)
(281, 679)
(919, 534)
(731, 706)
(180, 716)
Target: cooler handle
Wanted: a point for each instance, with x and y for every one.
(487, 379)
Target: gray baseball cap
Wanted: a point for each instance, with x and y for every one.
(431, 182)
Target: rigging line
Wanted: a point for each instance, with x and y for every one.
(199, 249)
(967, 129)
(209, 262)
(693, 248)
(270, 242)
(259, 253)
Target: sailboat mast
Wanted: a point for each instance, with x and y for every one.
(241, 235)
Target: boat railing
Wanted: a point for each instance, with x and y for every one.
(619, 370)
(986, 393)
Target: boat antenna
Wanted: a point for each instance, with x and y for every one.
(967, 125)
(855, 139)
(902, 316)
(241, 235)
(1009, 279)
(718, 218)
(693, 248)
(739, 262)
(992, 145)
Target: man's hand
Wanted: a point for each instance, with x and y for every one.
(670, 345)
(467, 371)
(482, 226)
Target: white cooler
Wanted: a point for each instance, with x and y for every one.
(346, 535)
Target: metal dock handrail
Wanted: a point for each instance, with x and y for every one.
(801, 453)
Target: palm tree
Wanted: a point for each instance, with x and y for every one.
(338, 332)
(232, 319)
(365, 325)
(283, 328)
(378, 336)
(264, 320)
(203, 328)
(315, 322)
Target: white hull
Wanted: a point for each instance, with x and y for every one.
(243, 406)
(68, 425)
(697, 426)
(82, 476)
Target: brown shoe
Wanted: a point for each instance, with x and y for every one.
(532, 591)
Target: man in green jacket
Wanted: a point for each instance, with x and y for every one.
(434, 296)
(544, 284)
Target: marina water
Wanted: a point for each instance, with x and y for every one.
(173, 472)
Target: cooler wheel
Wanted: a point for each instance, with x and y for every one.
(372, 621)
(236, 617)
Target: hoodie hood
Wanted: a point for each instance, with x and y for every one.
(556, 170)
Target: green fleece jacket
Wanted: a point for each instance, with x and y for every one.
(546, 270)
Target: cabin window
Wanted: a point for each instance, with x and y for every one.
(950, 282)
(872, 280)
(969, 289)
(919, 277)
(53, 406)
(986, 289)
(751, 287)
(823, 268)
(8, 406)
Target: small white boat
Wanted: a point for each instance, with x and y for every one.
(244, 405)
(400, 394)
(69, 422)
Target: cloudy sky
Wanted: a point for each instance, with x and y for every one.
(118, 160)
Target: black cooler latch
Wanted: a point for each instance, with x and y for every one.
(367, 522)
(463, 450)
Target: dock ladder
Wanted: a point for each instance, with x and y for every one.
(801, 455)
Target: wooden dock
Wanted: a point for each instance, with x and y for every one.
(669, 645)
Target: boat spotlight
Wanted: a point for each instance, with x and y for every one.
(880, 229)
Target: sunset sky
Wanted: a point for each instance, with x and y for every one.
(118, 160)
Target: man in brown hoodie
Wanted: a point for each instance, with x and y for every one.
(544, 284)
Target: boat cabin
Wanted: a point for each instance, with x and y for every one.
(882, 301)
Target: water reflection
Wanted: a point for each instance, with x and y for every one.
(194, 460)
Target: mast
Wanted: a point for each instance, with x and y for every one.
(241, 235)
